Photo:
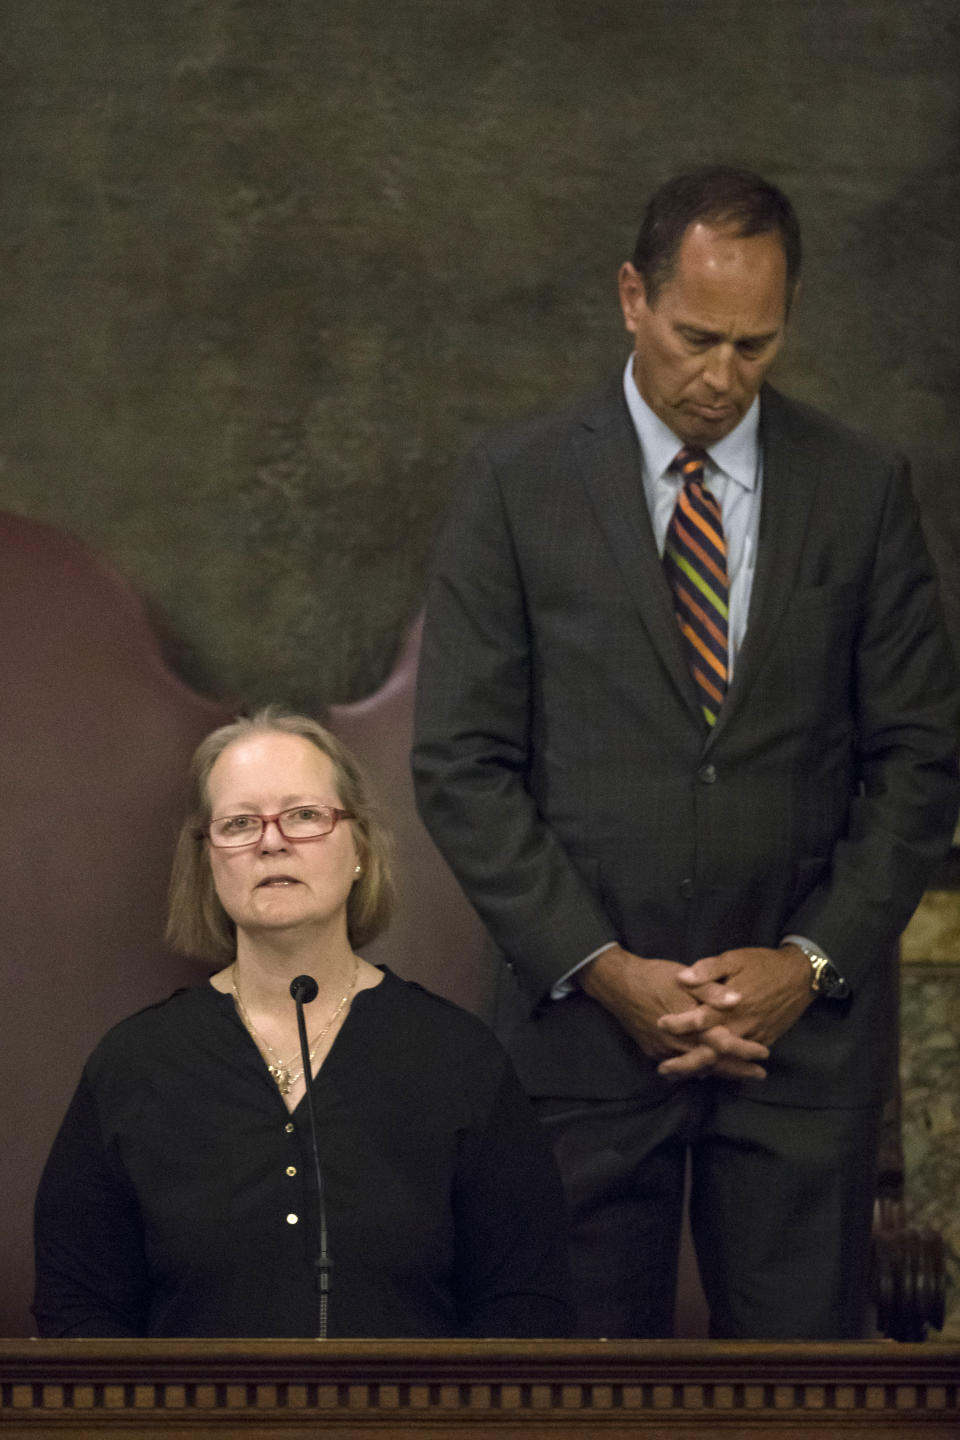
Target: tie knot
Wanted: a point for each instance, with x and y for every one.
(690, 462)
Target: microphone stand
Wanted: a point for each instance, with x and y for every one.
(304, 989)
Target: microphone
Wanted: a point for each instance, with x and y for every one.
(304, 989)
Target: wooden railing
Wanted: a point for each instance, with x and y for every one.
(487, 1390)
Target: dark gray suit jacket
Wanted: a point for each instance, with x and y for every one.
(563, 766)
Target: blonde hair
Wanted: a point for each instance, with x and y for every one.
(197, 923)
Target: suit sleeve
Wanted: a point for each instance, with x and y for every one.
(906, 708)
(472, 750)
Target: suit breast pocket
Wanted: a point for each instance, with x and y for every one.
(817, 652)
(822, 620)
(820, 599)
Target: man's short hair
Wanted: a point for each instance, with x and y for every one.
(718, 195)
(197, 923)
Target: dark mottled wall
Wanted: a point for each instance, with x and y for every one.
(268, 266)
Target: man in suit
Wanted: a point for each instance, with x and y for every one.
(686, 734)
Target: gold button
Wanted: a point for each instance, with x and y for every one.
(289, 1127)
(292, 1219)
(291, 1169)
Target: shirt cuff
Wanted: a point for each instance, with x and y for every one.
(567, 984)
(804, 940)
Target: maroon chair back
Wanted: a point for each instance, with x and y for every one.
(95, 735)
(435, 936)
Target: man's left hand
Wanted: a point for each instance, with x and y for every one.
(774, 988)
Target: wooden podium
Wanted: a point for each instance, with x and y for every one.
(487, 1390)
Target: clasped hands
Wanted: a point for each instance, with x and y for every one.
(719, 1016)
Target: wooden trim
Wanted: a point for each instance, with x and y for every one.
(932, 938)
(484, 1389)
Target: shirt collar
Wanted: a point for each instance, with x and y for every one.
(737, 454)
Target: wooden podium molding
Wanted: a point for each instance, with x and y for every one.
(487, 1390)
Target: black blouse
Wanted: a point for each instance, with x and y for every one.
(179, 1198)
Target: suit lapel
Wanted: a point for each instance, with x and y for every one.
(610, 466)
(786, 508)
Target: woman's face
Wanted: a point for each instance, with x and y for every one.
(278, 884)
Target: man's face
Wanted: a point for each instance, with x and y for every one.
(704, 348)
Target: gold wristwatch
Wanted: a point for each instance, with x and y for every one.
(825, 978)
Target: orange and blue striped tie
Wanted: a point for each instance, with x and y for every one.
(695, 560)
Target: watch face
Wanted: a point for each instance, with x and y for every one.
(832, 983)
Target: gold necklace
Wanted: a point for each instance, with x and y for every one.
(280, 1069)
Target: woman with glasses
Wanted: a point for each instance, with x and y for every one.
(184, 1195)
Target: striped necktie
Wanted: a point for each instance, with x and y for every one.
(695, 561)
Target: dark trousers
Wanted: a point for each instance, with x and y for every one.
(780, 1209)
